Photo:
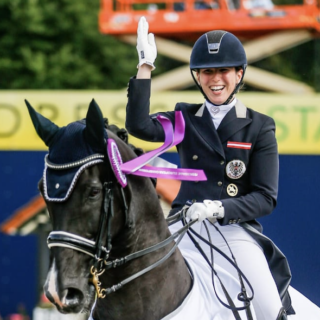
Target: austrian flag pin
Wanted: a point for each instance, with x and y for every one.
(239, 145)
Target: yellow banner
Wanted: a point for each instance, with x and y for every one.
(297, 116)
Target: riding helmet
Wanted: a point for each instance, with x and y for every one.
(217, 49)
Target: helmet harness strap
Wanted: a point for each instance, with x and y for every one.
(229, 98)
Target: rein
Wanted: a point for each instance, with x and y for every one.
(101, 253)
(242, 296)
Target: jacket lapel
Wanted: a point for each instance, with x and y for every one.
(202, 122)
(235, 120)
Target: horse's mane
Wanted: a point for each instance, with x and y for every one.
(123, 135)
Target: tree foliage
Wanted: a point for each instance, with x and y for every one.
(57, 45)
(298, 63)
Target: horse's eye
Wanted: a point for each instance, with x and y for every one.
(94, 192)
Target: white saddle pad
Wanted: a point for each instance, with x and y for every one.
(304, 308)
(202, 303)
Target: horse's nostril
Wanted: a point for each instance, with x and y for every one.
(74, 298)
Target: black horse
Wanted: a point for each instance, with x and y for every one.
(134, 222)
(112, 252)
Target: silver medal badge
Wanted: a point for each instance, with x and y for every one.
(235, 169)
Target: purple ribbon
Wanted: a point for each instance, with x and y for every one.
(138, 165)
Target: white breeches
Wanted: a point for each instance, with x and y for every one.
(250, 259)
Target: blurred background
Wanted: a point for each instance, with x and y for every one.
(60, 54)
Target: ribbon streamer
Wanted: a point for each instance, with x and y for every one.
(139, 167)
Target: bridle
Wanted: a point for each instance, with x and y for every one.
(100, 252)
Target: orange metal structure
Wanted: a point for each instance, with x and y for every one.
(188, 19)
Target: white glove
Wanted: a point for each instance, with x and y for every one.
(146, 46)
(207, 209)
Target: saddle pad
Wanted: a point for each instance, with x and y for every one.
(304, 308)
(201, 302)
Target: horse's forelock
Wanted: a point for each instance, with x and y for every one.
(126, 150)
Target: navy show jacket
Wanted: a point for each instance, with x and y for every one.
(206, 148)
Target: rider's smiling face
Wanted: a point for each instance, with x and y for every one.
(218, 83)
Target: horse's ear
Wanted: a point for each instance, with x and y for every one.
(44, 127)
(95, 130)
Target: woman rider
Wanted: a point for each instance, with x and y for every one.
(237, 149)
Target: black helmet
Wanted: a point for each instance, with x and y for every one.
(216, 49)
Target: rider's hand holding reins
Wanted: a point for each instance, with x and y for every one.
(205, 209)
(146, 46)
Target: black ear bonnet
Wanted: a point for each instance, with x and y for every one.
(72, 149)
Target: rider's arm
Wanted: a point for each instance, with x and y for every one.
(138, 122)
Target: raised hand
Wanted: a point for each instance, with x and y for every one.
(146, 46)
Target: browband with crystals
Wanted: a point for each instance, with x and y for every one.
(72, 164)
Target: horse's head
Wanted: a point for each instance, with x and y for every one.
(81, 178)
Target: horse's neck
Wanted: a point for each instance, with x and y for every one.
(157, 292)
(146, 224)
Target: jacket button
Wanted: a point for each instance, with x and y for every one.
(219, 183)
(195, 157)
(222, 162)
